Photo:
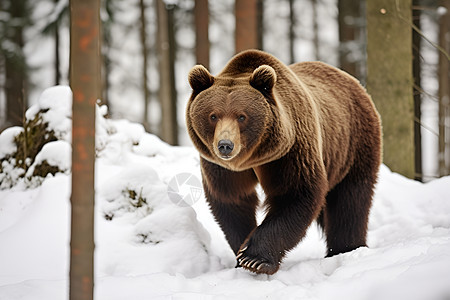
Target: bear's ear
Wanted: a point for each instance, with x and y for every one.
(263, 78)
(200, 79)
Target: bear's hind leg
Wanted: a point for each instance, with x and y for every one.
(345, 217)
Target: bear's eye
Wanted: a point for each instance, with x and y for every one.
(213, 117)
(241, 118)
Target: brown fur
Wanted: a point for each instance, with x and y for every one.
(308, 133)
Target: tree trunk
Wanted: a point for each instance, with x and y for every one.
(57, 59)
(84, 81)
(106, 70)
(444, 90)
(15, 66)
(145, 51)
(167, 91)
(416, 40)
(349, 13)
(246, 25)
(201, 12)
(389, 79)
(291, 32)
(260, 23)
(315, 30)
(105, 47)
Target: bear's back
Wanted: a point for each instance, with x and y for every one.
(346, 112)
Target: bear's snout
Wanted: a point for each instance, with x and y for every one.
(225, 147)
(226, 144)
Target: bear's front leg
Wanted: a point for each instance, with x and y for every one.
(232, 199)
(287, 220)
(235, 220)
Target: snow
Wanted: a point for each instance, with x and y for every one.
(7, 145)
(148, 247)
(57, 153)
(56, 105)
(441, 10)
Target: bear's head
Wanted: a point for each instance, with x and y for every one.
(234, 121)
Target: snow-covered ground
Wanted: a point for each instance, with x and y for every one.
(148, 247)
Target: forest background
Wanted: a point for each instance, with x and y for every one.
(148, 47)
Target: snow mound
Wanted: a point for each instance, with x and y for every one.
(55, 105)
(42, 146)
(136, 217)
(7, 145)
(146, 230)
(405, 208)
(55, 157)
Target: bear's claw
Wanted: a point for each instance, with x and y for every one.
(255, 264)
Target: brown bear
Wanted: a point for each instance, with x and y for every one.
(308, 133)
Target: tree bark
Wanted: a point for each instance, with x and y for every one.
(389, 79)
(201, 15)
(167, 91)
(84, 81)
(246, 25)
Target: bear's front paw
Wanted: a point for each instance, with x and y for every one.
(255, 263)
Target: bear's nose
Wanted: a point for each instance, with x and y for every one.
(225, 146)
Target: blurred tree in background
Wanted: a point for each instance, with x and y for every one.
(166, 62)
(148, 48)
(444, 88)
(52, 28)
(350, 23)
(417, 94)
(201, 12)
(246, 35)
(145, 66)
(14, 20)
